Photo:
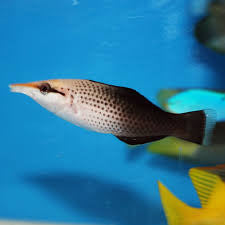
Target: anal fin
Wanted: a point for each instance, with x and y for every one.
(139, 140)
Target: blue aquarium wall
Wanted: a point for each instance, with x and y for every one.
(51, 170)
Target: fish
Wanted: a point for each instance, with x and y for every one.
(210, 187)
(120, 111)
(185, 100)
(188, 151)
(210, 30)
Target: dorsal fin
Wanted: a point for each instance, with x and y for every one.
(206, 184)
(130, 95)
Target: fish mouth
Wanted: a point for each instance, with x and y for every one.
(20, 88)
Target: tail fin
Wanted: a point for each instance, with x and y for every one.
(199, 126)
(177, 212)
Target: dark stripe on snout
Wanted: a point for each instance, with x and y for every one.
(56, 91)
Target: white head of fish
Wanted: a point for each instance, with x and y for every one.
(53, 95)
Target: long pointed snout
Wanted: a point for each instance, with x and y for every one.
(21, 87)
(32, 84)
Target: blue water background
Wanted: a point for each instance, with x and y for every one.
(51, 170)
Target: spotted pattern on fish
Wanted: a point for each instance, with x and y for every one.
(120, 111)
(116, 110)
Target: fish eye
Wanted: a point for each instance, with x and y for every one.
(45, 88)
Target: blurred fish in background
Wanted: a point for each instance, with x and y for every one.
(210, 30)
(210, 187)
(184, 150)
(178, 101)
(185, 100)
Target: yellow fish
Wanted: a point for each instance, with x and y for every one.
(211, 191)
(185, 150)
